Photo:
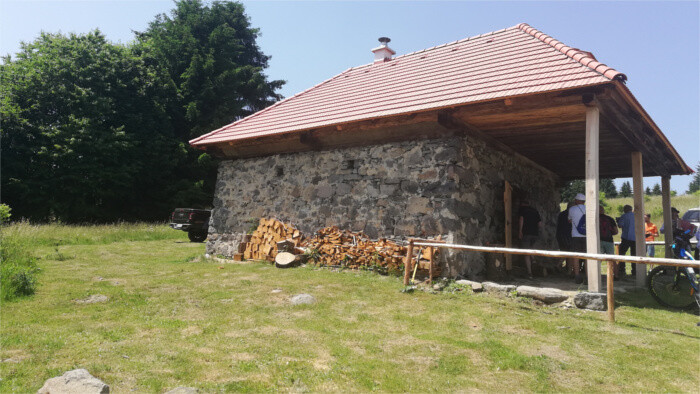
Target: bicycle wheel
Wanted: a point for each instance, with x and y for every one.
(671, 287)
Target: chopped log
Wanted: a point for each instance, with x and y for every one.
(286, 260)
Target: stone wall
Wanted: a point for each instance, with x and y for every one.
(452, 187)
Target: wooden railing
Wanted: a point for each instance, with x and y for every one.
(408, 266)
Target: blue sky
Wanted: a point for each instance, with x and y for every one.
(657, 44)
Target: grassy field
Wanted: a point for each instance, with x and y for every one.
(174, 318)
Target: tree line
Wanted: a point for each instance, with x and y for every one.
(97, 131)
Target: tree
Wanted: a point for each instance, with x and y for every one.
(694, 185)
(571, 188)
(84, 134)
(210, 56)
(647, 191)
(626, 190)
(656, 190)
(607, 186)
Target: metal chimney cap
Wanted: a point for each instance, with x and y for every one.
(384, 40)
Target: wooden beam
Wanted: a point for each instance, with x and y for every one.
(666, 206)
(508, 205)
(630, 126)
(592, 203)
(638, 192)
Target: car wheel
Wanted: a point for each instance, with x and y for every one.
(197, 236)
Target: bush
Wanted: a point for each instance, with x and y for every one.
(17, 269)
(5, 213)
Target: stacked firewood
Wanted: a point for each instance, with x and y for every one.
(263, 242)
(332, 246)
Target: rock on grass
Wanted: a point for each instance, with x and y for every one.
(545, 294)
(594, 301)
(301, 299)
(95, 298)
(74, 382)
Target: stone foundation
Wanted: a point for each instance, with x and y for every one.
(451, 187)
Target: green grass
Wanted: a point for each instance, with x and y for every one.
(176, 319)
(65, 234)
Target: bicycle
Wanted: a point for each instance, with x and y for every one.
(676, 287)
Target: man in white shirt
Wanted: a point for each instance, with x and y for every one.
(578, 240)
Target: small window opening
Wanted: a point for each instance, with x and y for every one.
(279, 171)
(349, 165)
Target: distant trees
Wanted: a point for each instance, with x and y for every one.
(95, 131)
(571, 188)
(694, 185)
(625, 189)
(608, 187)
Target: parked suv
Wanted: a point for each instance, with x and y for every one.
(194, 221)
(692, 216)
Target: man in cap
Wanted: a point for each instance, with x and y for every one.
(578, 240)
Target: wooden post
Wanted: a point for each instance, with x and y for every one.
(592, 198)
(430, 267)
(508, 205)
(407, 263)
(638, 191)
(666, 206)
(611, 293)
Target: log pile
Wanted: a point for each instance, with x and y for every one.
(355, 250)
(263, 242)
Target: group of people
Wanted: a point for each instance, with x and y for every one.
(571, 234)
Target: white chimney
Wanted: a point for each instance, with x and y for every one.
(383, 53)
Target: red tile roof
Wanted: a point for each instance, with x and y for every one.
(510, 62)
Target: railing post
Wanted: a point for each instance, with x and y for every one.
(407, 263)
(611, 293)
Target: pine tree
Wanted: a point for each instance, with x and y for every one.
(694, 185)
(656, 190)
(626, 190)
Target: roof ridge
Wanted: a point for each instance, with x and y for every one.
(267, 108)
(576, 54)
(441, 46)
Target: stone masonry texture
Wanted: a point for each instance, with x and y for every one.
(451, 187)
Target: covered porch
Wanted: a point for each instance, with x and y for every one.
(589, 133)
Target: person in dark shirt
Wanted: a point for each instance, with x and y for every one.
(608, 228)
(529, 230)
(564, 229)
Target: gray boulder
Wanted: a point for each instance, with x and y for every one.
(594, 301)
(547, 295)
(491, 287)
(476, 286)
(300, 299)
(183, 390)
(77, 381)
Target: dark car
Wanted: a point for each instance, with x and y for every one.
(194, 221)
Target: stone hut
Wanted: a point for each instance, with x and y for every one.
(443, 141)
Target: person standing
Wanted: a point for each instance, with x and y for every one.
(627, 242)
(564, 229)
(578, 240)
(608, 228)
(650, 232)
(530, 223)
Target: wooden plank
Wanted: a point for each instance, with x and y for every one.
(407, 264)
(638, 193)
(666, 206)
(508, 205)
(592, 204)
(564, 255)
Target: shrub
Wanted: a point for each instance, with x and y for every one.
(17, 269)
(5, 213)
